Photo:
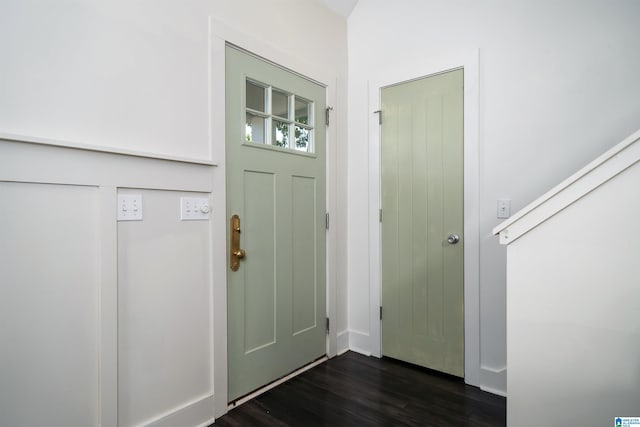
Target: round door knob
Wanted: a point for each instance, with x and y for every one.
(240, 253)
(453, 239)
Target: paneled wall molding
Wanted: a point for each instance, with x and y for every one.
(100, 149)
(49, 172)
(108, 322)
(34, 162)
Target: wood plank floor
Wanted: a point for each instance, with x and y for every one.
(356, 390)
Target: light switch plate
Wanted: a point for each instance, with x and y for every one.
(504, 208)
(130, 207)
(194, 208)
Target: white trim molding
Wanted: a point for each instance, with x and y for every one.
(87, 146)
(343, 342)
(360, 342)
(609, 164)
(469, 62)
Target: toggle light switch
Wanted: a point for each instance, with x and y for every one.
(129, 207)
(194, 208)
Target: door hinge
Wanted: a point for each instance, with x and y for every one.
(326, 220)
(326, 115)
(379, 113)
(327, 325)
(380, 215)
(380, 312)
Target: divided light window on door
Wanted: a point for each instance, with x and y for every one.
(278, 118)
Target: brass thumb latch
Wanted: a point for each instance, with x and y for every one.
(236, 253)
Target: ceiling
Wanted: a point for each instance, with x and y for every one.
(341, 7)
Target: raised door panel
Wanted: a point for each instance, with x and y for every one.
(259, 227)
(304, 260)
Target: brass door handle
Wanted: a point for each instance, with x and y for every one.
(236, 254)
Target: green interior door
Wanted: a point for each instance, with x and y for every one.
(275, 171)
(422, 205)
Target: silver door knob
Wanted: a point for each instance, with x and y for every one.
(453, 239)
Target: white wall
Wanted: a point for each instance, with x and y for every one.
(130, 75)
(558, 86)
(573, 307)
(147, 78)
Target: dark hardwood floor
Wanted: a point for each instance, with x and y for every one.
(356, 390)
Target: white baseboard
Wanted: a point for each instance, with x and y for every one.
(360, 342)
(494, 380)
(493, 391)
(195, 413)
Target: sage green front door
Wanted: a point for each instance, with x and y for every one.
(422, 222)
(275, 172)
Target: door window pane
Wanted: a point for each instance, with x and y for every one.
(280, 135)
(303, 139)
(278, 118)
(255, 129)
(255, 96)
(303, 111)
(280, 104)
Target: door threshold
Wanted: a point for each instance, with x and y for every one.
(276, 383)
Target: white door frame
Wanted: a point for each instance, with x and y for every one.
(469, 61)
(219, 34)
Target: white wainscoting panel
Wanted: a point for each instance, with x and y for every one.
(164, 299)
(103, 323)
(49, 288)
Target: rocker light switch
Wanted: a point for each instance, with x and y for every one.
(504, 208)
(129, 207)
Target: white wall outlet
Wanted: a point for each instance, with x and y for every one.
(194, 208)
(129, 207)
(504, 208)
